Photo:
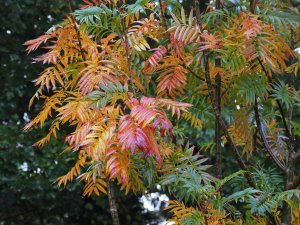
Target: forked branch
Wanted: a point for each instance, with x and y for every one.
(217, 112)
(223, 126)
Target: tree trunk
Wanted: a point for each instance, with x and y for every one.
(217, 114)
(112, 203)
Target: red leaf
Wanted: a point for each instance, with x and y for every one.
(251, 26)
(157, 56)
(152, 148)
(172, 81)
(131, 135)
(209, 42)
(164, 123)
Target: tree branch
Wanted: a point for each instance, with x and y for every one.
(287, 130)
(218, 135)
(223, 127)
(185, 66)
(252, 6)
(127, 52)
(263, 136)
(217, 113)
(162, 14)
(76, 29)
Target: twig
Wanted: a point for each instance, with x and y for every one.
(263, 136)
(218, 135)
(127, 49)
(190, 70)
(76, 29)
(277, 101)
(162, 14)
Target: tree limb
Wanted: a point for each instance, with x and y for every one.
(76, 29)
(263, 136)
(223, 127)
(217, 113)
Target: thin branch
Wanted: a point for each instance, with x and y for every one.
(291, 107)
(127, 49)
(292, 180)
(263, 136)
(287, 131)
(223, 127)
(218, 135)
(191, 71)
(198, 14)
(226, 89)
(252, 5)
(76, 29)
(162, 14)
(217, 113)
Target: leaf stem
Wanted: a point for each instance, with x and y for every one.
(162, 14)
(76, 29)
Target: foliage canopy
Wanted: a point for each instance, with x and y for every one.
(127, 80)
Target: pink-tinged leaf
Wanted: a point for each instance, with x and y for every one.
(118, 163)
(164, 123)
(92, 76)
(35, 43)
(148, 101)
(132, 102)
(78, 135)
(152, 148)
(251, 26)
(172, 81)
(131, 135)
(157, 56)
(174, 106)
(49, 57)
(143, 115)
(209, 41)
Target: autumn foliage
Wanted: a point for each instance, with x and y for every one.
(123, 77)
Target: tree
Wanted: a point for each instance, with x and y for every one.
(27, 192)
(120, 72)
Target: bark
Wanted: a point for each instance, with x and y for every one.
(217, 113)
(252, 5)
(218, 134)
(112, 204)
(162, 14)
(223, 127)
